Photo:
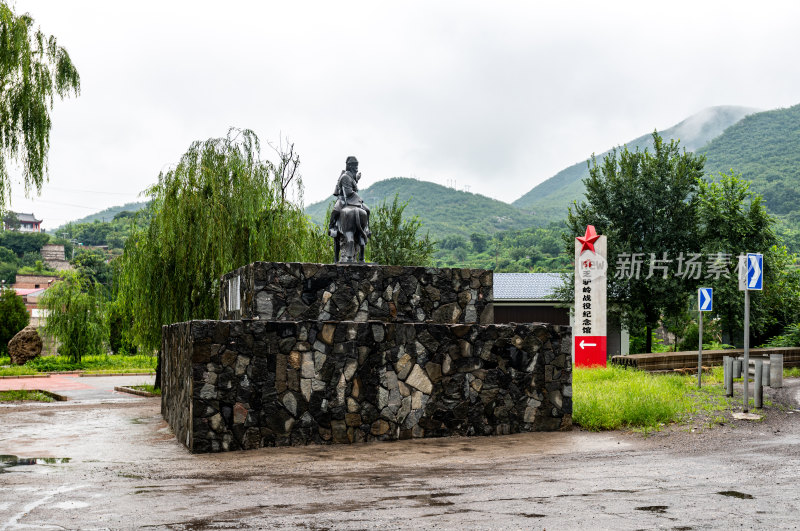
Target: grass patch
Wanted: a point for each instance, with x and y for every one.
(16, 396)
(613, 398)
(100, 363)
(147, 387)
(793, 372)
(17, 370)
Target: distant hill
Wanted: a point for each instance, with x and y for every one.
(107, 214)
(442, 210)
(550, 199)
(765, 149)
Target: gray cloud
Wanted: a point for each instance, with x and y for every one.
(499, 96)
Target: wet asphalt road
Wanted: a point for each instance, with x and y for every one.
(126, 470)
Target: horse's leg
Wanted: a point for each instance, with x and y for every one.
(336, 250)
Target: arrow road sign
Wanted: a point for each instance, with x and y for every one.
(590, 351)
(755, 271)
(705, 299)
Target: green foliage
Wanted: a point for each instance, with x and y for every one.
(23, 242)
(789, 338)
(76, 315)
(112, 231)
(396, 241)
(120, 328)
(645, 203)
(92, 264)
(765, 149)
(218, 209)
(734, 220)
(8, 272)
(13, 317)
(33, 70)
(712, 334)
(535, 249)
(7, 255)
(94, 363)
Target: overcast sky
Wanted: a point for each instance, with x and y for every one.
(498, 96)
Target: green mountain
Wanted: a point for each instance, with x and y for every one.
(106, 215)
(443, 211)
(550, 199)
(765, 149)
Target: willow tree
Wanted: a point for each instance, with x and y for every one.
(220, 208)
(33, 70)
(76, 315)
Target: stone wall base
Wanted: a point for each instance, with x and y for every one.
(232, 385)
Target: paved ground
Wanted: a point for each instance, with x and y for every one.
(126, 470)
(80, 388)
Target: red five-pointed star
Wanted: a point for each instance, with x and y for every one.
(588, 239)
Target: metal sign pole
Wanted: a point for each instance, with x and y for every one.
(746, 364)
(700, 353)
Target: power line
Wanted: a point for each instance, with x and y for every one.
(136, 194)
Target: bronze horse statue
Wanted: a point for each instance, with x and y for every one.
(352, 232)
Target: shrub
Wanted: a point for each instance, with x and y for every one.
(13, 317)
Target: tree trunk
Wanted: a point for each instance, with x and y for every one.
(157, 384)
(648, 339)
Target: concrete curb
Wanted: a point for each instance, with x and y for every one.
(25, 376)
(138, 392)
(85, 375)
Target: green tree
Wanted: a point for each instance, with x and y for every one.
(646, 203)
(33, 70)
(218, 209)
(13, 317)
(7, 255)
(11, 221)
(734, 221)
(396, 241)
(92, 264)
(120, 328)
(8, 272)
(479, 242)
(76, 315)
(24, 242)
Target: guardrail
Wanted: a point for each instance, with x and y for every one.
(670, 361)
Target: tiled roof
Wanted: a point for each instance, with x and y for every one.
(526, 286)
(29, 218)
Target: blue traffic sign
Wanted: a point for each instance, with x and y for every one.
(705, 299)
(755, 271)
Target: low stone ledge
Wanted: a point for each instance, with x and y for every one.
(231, 385)
(281, 291)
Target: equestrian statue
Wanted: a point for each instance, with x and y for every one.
(349, 223)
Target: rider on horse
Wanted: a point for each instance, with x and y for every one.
(346, 193)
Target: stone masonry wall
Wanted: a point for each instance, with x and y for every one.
(253, 383)
(176, 379)
(359, 292)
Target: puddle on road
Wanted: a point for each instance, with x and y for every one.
(654, 508)
(736, 494)
(8, 461)
(70, 504)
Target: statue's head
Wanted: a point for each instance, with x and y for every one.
(351, 163)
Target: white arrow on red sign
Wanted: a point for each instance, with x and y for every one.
(584, 344)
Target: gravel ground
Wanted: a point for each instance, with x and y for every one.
(126, 470)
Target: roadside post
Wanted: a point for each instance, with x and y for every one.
(589, 344)
(751, 278)
(705, 303)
